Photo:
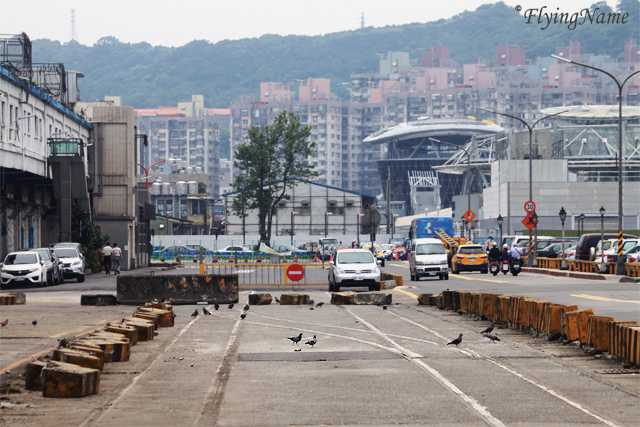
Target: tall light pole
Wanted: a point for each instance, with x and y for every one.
(563, 217)
(500, 219)
(602, 263)
(530, 260)
(620, 269)
(146, 170)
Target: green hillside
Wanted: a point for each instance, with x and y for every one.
(149, 76)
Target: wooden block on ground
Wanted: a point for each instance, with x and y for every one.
(372, 298)
(107, 350)
(165, 317)
(33, 375)
(143, 327)
(541, 308)
(161, 305)
(128, 331)
(114, 350)
(294, 299)
(465, 300)
(78, 357)
(501, 308)
(122, 346)
(148, 316)
(423, 299)
(98, 299)
(92, 349)
(388, 284)
(447, 300)
(399, 279)
(260, 299)
(66, 380)
(339, 298)
(7, 299)
(474, 303)
(634, 346)
(553, 319)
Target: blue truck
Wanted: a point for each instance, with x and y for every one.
(426, 227)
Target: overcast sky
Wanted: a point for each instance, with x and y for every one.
(175, 23)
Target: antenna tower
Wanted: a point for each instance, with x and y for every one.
(73, 36)
(362, 21)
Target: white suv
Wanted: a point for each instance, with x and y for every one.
(355, 268)
(72, 261)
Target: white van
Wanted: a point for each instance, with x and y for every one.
(428, 258)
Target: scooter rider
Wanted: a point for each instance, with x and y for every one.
(494, 253)
(505, 253)
(515, 252)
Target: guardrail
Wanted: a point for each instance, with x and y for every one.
(267, 274)
(632, 269)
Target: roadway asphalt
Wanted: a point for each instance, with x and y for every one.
(370, 366)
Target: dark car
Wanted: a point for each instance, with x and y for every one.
(590, 241)
(550, 249)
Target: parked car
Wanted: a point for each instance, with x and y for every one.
(552, 250)
(470, 257)
(52, 263)
(22, 268)
(587, 243)
(633, 255)
(72, 261)
(354, 267)
(196, 248)
(569, 253)
(611, 255)
(236, 248)
(75, 245)
(387, 251)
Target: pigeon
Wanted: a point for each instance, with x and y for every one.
(384, 307)
(460, 312)
(312, 302)
(246, 307)
(554, 337)
(34, 323)
(195, 313)
(205, 311)
(320, 304)
(230, 306)
(243, 315)
(297, 349)
(297, 339)
(488, 330)
(312, 341)
(4, 323)
(216, 306)
(493, 338)
(277, 300)
(457, 341)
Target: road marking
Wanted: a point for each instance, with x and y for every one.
(482, 280)
(412, 295)
(603, 298)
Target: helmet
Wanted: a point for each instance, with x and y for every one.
(505, 246)
(494, 244)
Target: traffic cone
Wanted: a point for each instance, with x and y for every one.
(315, 258)
(215, 258)
(295, 259)
(408, 256)
(330, 257)
(246, 258)
(259, 260)
(395, 255)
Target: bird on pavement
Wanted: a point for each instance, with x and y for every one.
(205, 311)
(34, 323)
(195, 313)
(297, 339)
(312, 302)
(457, 341)
(216, 306)
(320, 304)
(4, 323)
(493, 338)
(243, 315)
(246, 307)
(276, 299)
(384, 307)
(312, 341)
(230, 306)
(488, 330)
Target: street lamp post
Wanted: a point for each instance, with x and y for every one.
(292, 232)
(602, 262)
(326, 222)
(620, 269)
(500, 220)
(531, 260)
(146, 170)
(563, 217)
(534, 220)
(581, 226)
(393, 224)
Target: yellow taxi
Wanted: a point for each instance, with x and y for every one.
(378, 251)
(470, 257)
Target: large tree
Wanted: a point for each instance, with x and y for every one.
(268, 162)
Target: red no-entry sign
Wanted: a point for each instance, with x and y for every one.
(295, 272)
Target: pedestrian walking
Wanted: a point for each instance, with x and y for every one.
(116, 258)
(106, 251)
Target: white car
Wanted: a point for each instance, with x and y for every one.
(72, 262)
(23, 268)
(355, 268)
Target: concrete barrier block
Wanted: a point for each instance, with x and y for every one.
(123, 345)
(598, 332)
(78, 357)
(144, 328)
(7, 299)
(447, 300)
(616, 337)
(178, 289)
(372, 298)
(387, 284)
(154, 318)
(576, 324)
(541, 308)
(553, 319)
(487, 304)
(516, 311)
(33, 375)
(107, 351)
(294, 299)
(92, 349)
(474, 303)
(434, 300)
(161, 305)
(501, 308)
(465, 301)
(260, 299)
(423, 299)
(66, 380)
(127, 331)
(563, 321)
(634, 346)
(165, 317)
(112, 349)
(98, 299)
(340, 298)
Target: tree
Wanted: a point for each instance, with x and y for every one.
(85, 232)
(268, 163)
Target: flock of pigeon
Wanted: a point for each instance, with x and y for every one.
(486, 333)
(216, 307)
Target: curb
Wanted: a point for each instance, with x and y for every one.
(573, 274)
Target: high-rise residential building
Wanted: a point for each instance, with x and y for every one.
(184, 137)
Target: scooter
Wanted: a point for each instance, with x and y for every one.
(516, 266)
(494, 267)
(505, 267)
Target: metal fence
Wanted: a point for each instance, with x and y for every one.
(271, 274)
